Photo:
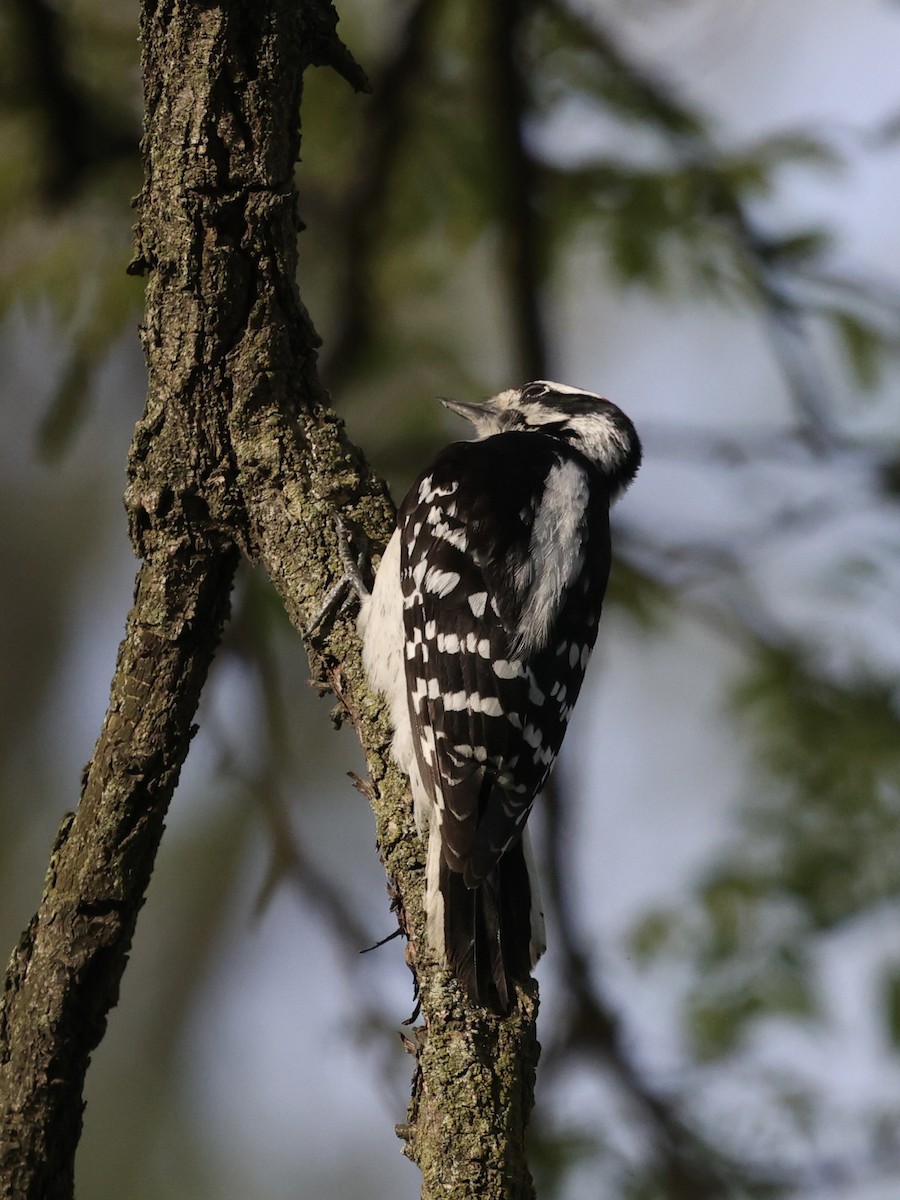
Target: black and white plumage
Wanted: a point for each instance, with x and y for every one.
(478, 630)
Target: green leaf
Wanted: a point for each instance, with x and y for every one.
(864, 346)
(654, 934)
(794, 146)
(795, 249)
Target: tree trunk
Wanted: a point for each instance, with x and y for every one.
(236, 452)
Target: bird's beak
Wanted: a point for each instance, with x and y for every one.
(471, 412)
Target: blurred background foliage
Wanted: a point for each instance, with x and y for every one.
(692, 207)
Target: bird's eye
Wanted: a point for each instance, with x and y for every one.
(534, 391)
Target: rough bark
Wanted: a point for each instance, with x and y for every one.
(236, 452)
(64, 974)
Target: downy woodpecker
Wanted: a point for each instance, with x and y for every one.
(478, 630)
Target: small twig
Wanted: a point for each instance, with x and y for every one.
(327, 49)
(382, 941)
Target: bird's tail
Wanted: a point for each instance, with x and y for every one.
(493, 934)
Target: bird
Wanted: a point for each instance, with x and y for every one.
(477, 631)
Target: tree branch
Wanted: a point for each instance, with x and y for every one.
(517, 182)
(236, 447)
(64, 975)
